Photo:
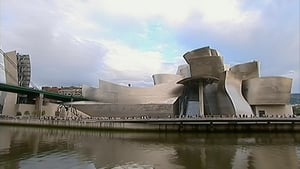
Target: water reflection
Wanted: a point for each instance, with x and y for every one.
(55, 148)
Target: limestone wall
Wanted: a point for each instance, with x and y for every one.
(274, 110)
(126, 110)
(48, 110)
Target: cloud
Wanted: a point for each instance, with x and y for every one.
(57, 56)
(127, 41)
(124, 64)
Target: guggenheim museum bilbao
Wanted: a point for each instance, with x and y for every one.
(204, 86)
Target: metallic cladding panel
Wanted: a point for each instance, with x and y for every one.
(165, 78)
(204, 63)
(229, 92)
(11, 76)
(184, 71)
(112, 93)
(206, 66)
(268, 90)
(126, 110)
(233, 87)
(205, 51)
(224, 103)
(210, 99)
(10, 64)
(246, 70)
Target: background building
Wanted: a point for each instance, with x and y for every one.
(68, 91)
(24, 70)
(24, 75)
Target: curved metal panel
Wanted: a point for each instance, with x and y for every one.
(184, 71)
(268, 90)
(10, 64)
(224, 103)
(204, 62)
(233, 86)
(210, 99)
(165, 78)
(11, 77)
(126, 110)
(206, 66)
(246, 70)
(230, 94)
(166, 93)
(204, 51)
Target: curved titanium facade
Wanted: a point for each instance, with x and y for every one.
(246, 70)
(204, 63)
(233, 86)
(184, 71)
(11, 76)
(225, 105)
(165, 78)
(113, 93)
(201, 87)
(268, 90)
(121, 101)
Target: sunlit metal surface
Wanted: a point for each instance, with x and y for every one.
(165, 78)
(118, 101)
(204, 62)
(114, 93)
(201, 87)
(268, 90)
(230, 97)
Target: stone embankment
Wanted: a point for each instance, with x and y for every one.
(211, 124)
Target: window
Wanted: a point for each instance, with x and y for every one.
(261, 113)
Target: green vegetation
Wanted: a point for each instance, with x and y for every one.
(296, 110)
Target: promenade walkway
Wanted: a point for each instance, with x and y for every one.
(290, 124)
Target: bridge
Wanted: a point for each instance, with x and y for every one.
(13, 66)
(36, 93)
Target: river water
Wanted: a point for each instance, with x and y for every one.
(30, 148)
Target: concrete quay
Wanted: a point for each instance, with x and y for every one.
(169, 124)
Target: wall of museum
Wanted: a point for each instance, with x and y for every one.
(275, 110)
(48, 110)
(127, 110)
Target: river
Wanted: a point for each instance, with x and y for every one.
(33, 148)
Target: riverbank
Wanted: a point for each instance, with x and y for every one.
(171, 124)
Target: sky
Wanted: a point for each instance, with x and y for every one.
(77, 42)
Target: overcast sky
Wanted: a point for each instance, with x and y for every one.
(76, 42)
